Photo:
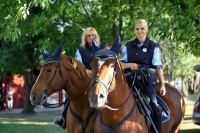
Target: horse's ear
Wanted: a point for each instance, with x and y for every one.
(59, 50)
(95, 47)
(116, 46)
(46, 53)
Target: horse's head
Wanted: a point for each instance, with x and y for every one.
(50, 78)
(104, 69)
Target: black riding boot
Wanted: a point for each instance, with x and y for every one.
(157, 119)
(61, 120)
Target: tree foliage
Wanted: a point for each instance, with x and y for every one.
(28, 26)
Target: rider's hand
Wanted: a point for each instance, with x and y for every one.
(162, 90)
(133, 66)
(89, 71)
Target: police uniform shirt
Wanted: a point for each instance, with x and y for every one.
(156, 58)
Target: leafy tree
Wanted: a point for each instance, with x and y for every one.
(27, 26)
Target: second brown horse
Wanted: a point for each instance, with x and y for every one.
(110, 93)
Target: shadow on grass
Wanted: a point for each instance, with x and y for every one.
(193, 97)
(188, 117)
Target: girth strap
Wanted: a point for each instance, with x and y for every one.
(112, 129)
(83, 123)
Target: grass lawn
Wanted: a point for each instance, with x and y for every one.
(42, 121)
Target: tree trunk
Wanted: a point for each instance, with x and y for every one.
(29, 81)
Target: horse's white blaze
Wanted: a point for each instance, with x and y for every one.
(101, 62)
(101, 101)
(111, 70)
(36, 80)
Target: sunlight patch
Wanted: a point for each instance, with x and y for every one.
(27, 123)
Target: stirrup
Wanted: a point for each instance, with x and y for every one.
(60, 121)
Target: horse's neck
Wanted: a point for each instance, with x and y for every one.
(121, 98)
(121, 90)
(75, 76)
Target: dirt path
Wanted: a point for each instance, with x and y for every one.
(187, 124)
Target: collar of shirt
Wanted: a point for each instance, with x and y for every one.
(145, 44)
(139, 45)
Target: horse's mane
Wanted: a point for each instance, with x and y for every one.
(120, 65)
(77, 65)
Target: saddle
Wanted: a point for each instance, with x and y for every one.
(148, 109)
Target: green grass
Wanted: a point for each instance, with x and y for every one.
(190, 131)
(40, 122)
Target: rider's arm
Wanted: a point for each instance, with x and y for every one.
(161, 79)
(78, 56)
(158, 64)
(132, 66)
(160, 76)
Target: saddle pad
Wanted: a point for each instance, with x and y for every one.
(165, 111)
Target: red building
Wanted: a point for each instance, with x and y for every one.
(16, 82)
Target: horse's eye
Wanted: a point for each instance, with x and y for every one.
(112, 66)
(49, 70)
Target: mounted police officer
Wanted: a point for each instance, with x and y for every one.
(143, 56)
(84, 54)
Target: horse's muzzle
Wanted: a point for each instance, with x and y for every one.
(96, 100)
(34, 100)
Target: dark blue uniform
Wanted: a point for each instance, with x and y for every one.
(86, 55)
(146, 55)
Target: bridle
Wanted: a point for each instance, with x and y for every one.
(107, 86)
(44, 96)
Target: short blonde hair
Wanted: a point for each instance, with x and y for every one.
(89, 31)
(142, 21)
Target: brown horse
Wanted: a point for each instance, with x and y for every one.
(175, 101)
(62, 72)
(119, 112)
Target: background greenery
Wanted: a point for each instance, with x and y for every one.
(28, 26)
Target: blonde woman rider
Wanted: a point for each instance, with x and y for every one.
(141, 54)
